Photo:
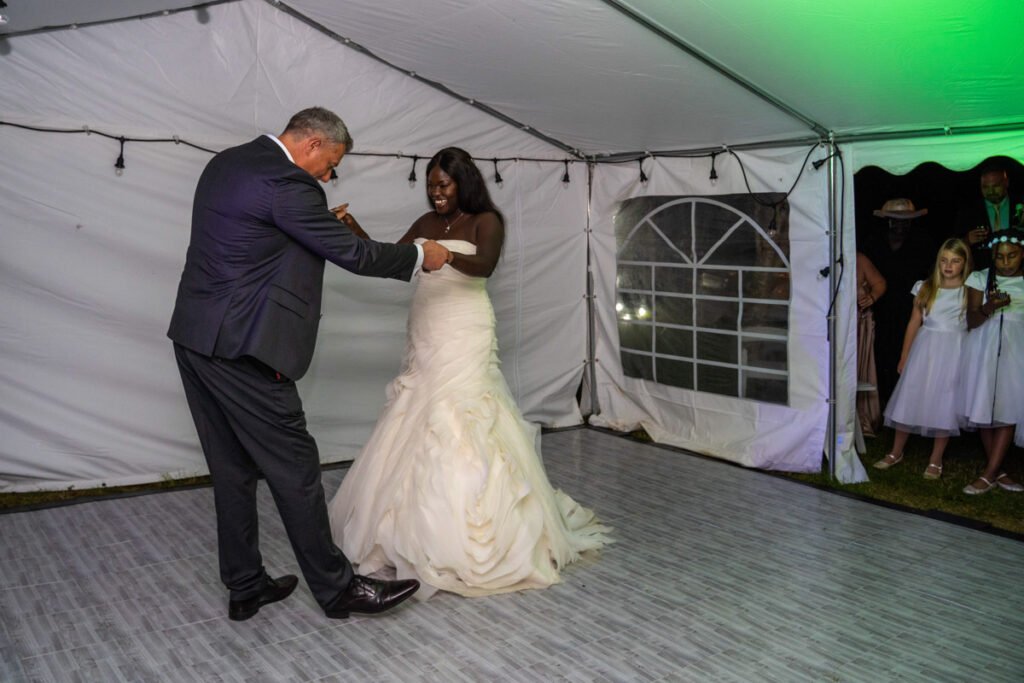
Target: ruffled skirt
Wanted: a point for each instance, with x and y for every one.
(450, 488)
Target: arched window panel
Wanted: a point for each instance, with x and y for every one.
(703, 293)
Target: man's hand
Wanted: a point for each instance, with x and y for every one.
(434, 255)
(978, 234)
(341, 213)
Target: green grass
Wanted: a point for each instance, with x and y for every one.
(38, 499)
(904, 485)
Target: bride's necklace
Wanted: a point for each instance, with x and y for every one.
(448, 226)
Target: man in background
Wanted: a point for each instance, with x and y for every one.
(991, 212)
(903, 254)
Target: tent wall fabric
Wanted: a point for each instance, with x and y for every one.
(91, 260)
(788, 436)
(956, 152)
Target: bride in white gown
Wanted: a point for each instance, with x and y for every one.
(450, 489)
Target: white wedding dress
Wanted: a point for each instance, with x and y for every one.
(450, 489)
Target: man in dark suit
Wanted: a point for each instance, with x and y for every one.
(244, 327)
(991, 212)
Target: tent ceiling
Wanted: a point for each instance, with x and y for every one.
(863, 66)
(33, 15)
(612, 76)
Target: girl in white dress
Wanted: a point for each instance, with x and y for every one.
(450, 488)
(925, 400)
(992, 365)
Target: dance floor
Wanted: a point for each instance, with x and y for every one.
(718, 574)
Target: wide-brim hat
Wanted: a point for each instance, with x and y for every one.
(899, 208)
(1011, 235)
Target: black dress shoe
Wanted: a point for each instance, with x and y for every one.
(276, 589)
(370, 596)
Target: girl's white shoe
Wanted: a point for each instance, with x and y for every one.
(972, 490)
(888, 461)
(1007, 484)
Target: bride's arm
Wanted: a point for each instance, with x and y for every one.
(341, 213)
(414, 231)
(490, 235)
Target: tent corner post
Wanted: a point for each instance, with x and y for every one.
(834, 250)
(591, 313)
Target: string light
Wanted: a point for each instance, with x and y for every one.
(119, 164)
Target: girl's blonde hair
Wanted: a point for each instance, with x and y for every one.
(930, 288)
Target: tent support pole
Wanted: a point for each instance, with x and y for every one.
(834, 249)
(591, 369)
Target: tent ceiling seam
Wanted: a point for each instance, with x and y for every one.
(348, 42)
(678, 42)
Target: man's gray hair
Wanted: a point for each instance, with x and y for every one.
(320, 121)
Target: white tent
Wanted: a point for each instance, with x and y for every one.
(602, 91)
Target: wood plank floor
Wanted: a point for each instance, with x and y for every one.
(717, 574)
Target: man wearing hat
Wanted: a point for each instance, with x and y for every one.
(991, 212)
(903, 254)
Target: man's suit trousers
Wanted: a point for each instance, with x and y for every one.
(250, 421)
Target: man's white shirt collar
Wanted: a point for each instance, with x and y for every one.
(281, 145)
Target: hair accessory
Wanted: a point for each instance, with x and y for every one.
(1010, 235)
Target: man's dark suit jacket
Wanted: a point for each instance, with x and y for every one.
(253, 276)
(974, 214)
(971, 216)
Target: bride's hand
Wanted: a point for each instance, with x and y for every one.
(341, 213)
